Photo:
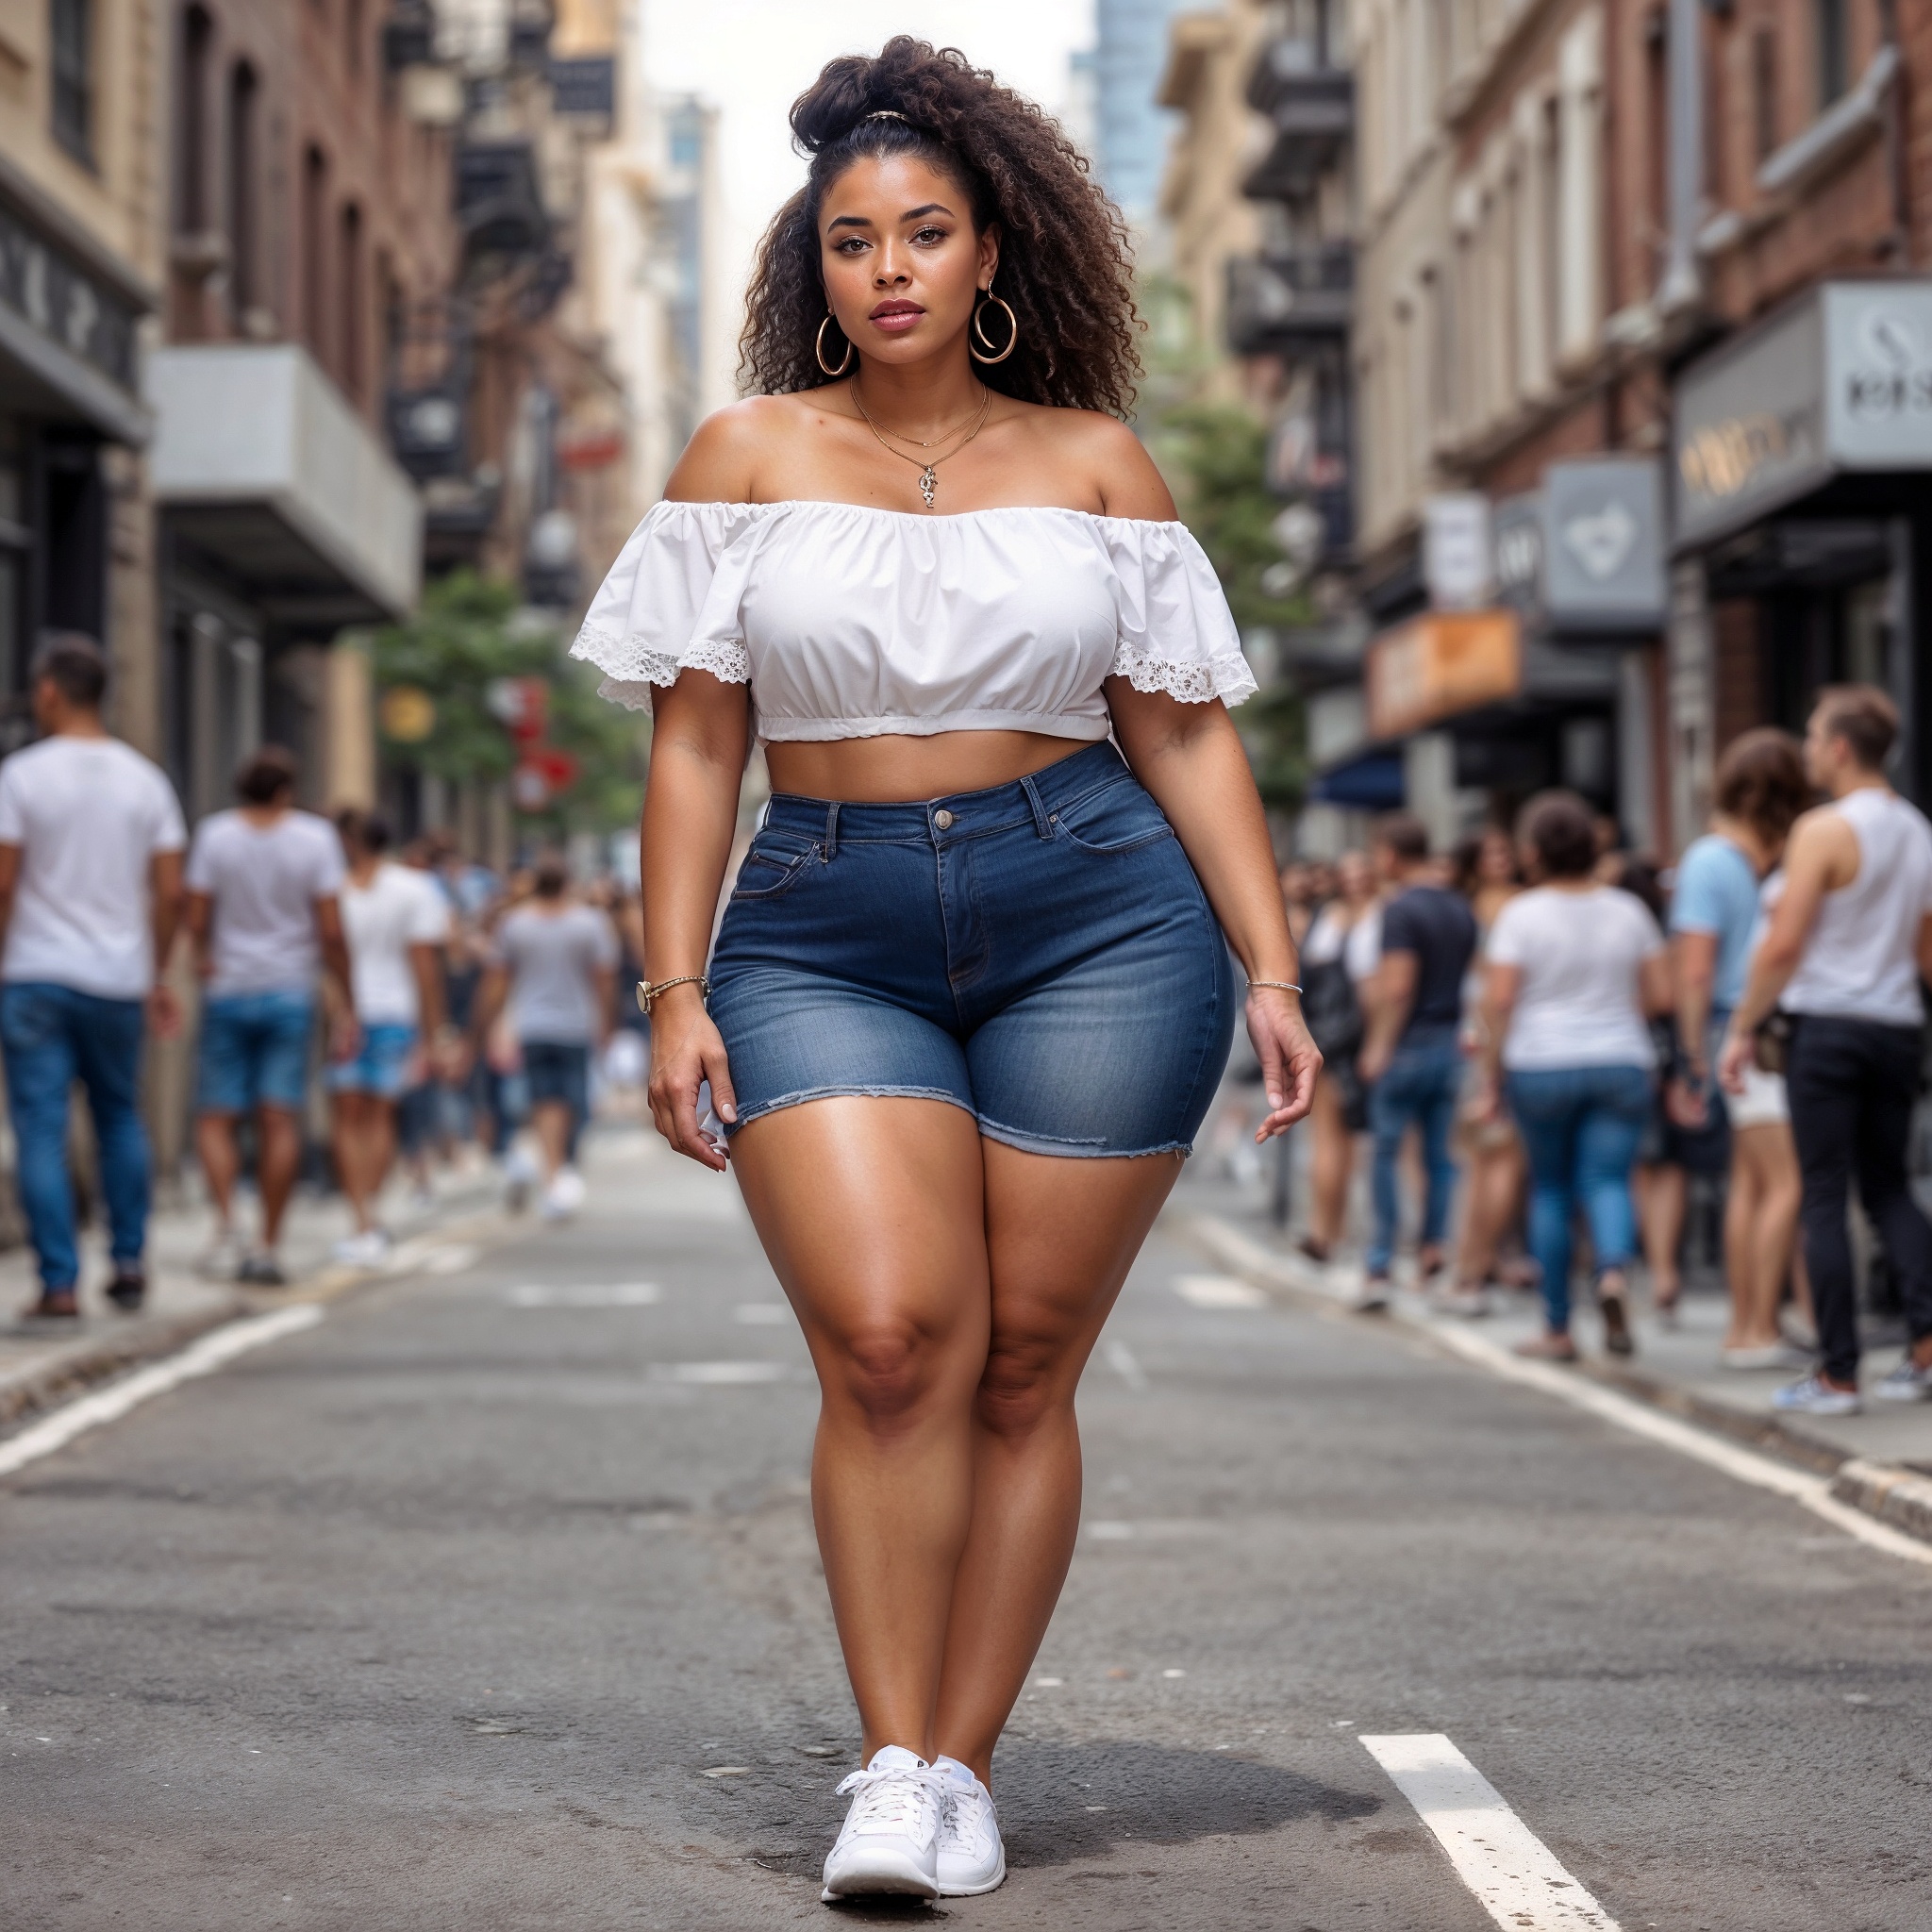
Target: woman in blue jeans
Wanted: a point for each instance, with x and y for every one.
(1574, 969)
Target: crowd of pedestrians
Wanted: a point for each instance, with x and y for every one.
(1542, 1035)
(353, 1004)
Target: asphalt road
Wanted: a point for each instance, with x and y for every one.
(492, 1602)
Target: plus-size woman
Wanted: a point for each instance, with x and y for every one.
(970, 996)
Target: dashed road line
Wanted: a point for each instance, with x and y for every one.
(203, 1357)
(1520, 1882)
(1123, 1362)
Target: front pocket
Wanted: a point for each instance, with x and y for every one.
(765, 874)
(1117, 818)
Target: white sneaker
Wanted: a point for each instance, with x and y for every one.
(890, 1839)
(1814, 1395)
(369, 1249)
(221, 1260)
(1906, 1384)
(563, 1196)
(972, 1859)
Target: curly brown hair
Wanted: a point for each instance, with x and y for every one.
(1761, 779)
(1064, 261)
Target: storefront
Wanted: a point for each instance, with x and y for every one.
(1803, 524)
(69, 391)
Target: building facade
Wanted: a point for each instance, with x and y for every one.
(80, 86)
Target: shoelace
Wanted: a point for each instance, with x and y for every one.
(895, 1798)
(965, 1822)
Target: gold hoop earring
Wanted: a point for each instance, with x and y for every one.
(819, 350)
(1012, 331)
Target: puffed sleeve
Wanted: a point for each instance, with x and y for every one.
(665, 607)
(1177, 633)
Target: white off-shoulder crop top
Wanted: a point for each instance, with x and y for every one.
(849, 622)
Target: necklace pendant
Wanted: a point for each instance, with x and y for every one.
(928, 485)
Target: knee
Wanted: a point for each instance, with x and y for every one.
(1021, 1386)
(889, 1374)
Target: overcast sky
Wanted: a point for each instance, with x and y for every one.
(753, 57)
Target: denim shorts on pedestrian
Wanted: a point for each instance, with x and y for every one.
(380, 1065)
(1039, 954)
(255, 1051)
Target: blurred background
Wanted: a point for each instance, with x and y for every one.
(343, 341)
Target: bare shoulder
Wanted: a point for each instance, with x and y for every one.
(722, 461)
(1123, 471)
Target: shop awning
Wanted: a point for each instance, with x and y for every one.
(261, 463)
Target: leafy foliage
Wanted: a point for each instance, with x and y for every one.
(1215, 456)
(467, 632)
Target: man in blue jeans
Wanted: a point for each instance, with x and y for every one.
(90, 839)
(1411, 1059)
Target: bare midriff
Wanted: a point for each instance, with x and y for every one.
(887, 771)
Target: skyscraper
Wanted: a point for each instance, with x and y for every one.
(1132, 132)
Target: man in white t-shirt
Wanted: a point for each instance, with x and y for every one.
(91, 838)
(263, 881)
(396, 921)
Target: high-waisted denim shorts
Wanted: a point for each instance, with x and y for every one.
(1039, 954)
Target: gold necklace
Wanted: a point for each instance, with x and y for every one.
(932, 443)
(928, 480)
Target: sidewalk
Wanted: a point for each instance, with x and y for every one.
(1880, 1462)
(41, 1365)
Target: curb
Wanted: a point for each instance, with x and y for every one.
(104, 1357)
(1890, 1492)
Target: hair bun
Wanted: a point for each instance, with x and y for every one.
(844, 93)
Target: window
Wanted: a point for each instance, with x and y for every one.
(315, 253)
(245, 279)
(1764, 115)
(1834, 55)
(191, 125)
(349, 335)
(72, 37)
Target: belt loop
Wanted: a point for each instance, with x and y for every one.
(831, 831)
(1040, 822)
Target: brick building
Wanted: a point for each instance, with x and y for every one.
(309, 208)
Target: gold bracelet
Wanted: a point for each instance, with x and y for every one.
(648, 992)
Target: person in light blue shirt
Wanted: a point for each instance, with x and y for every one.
(1760, 790)
(1717, 894)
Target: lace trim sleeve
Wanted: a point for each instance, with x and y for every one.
(1226, 676)
(631, 667)
(667, 605)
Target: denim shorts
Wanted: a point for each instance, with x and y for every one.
(1039, 954)
(255, 1051)
(381, 1063)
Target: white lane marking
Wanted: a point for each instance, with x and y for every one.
(108, 1405)
(450, 1260)
(1808, 1490)
(1110, 1532)
(1516, 1875)
(762, 1314)
(721, 1374)
(1122, 1360)
(621, 1294)
(1219, 1292)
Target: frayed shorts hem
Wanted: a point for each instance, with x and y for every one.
(992, 1130)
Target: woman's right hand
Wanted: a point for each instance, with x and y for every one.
(686, 1051)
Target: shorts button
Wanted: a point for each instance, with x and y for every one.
(944, 819)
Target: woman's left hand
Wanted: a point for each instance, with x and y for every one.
(1290, 1060)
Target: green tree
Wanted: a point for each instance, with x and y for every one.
(1215, 458)
(467, 633)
